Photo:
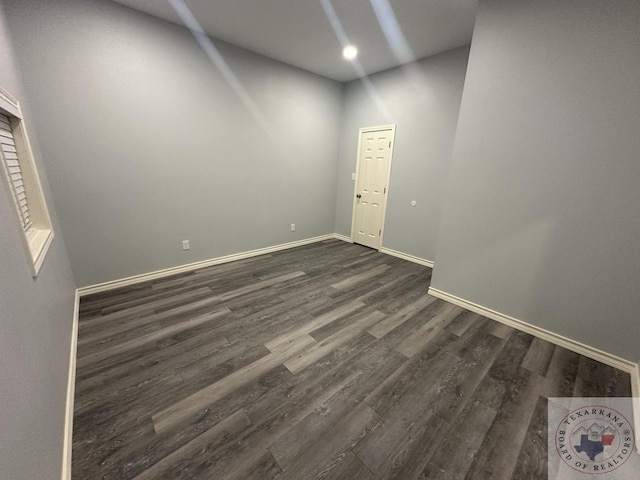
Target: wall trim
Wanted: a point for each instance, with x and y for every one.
(608, 359)
(144, 277)
(635, 386)
(408, 257)
(67, 442)
(389, 251)
(635, 392)
(344, 238)
(556, 339)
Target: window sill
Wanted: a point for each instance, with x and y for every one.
(39, 242)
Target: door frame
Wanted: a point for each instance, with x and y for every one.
(361, 131)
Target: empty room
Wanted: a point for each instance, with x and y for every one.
(319, 239)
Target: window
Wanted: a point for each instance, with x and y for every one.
(23, 183)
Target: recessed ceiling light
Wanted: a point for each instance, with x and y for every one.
(350, 52)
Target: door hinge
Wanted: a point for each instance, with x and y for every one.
(379, 232)
(385, 190)
(389, 143)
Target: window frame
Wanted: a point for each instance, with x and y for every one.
(37, 240)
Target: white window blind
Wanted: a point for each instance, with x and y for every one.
(14, 171)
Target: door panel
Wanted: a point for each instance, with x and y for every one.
(371, 182)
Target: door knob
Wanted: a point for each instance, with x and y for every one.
(358, 196)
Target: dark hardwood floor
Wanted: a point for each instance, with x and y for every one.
(325, 361)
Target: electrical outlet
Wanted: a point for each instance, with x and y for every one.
(293, 227)
(185, 245)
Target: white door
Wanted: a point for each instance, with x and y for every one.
(372, 182)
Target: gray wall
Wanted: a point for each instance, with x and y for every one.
(35, 327)
(149, 145)
(541, 216)
(423, 99)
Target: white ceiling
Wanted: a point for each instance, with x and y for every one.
(299, 33)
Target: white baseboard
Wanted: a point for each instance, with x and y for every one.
(635, 392)
(124, 282)
(71, 387)
(406, 256)
(344, 238)
(635, 389)
(628, 366)
(556, 339)
(390, 251)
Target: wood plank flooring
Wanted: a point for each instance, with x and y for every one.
(325, 361)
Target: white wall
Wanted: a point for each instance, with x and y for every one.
(35, 325)
(541, 215)
(149, 145)
(423, 99)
